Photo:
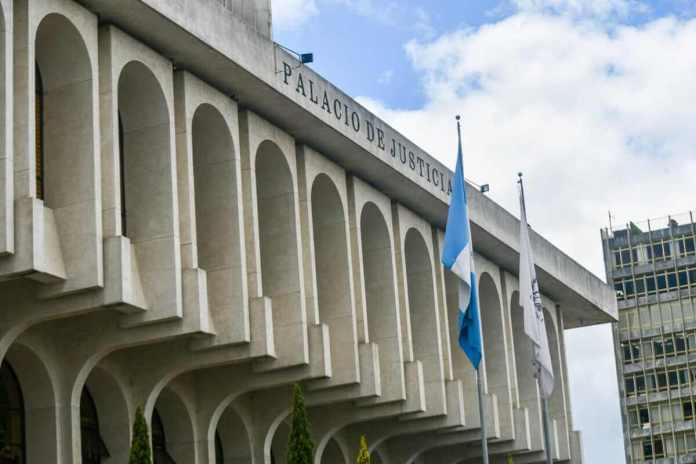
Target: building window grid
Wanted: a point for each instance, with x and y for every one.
(656, 251)
(671, 377)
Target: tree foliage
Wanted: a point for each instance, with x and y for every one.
(300, 445)
(140, 452)
(364, 453)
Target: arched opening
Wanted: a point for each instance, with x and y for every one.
(233, 443)
(217, 211)
(279, 444)
(146, 155)
(12, 428)
(173, 438)
(104, 414)
(278, 235)
(332, 269)
(219, 451)
(64, 119)
(526, 383)
(40, 419)
(333, 454)
(556, 400)
(493, 336)
(94, 450)
(380, 293)
(421, 302)
(160, 453)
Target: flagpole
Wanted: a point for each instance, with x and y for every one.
(484, 432)
(478, 373)
(544, 401)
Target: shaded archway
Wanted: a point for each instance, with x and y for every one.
(64, 115)
(39, 398)
(104, 413)
(233, 443)
(422, 309)
(94, 450)
(333, 454)
(146, 155)
(333, 270)
(217, 212)
(279, 445)
(173, 438)
(280, 272)
(380, 293)
(493, 330)
(526, 383)
(12, 422)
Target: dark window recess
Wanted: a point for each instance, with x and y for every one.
(640, 285)
(688, 410)
(667, 250)
(644, 416)
(630, 386)
(617, 258)
(659, 349)
(661, 282)
(626, 257)
(683, 279)
(679, 343)
(662, 380)
(640, 383)
(628, 285)
(650, 283)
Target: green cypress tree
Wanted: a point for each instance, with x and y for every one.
(364, 454)
(140, 452)
(300, 445)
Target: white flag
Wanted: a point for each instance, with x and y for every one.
(530, 301)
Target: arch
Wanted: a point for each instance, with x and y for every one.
(556, 401)
(493, 330)
(65, 126)
(233, 437)
(335, 454)
(217, 211)
(39, 396)
(146, 154)
(380, 293)
(421, 300)
(526, 384)
(173, 438)
(279, 444)
(12, 422)
(105, 395)
(94, 450)
(332, 268)
(280, 271)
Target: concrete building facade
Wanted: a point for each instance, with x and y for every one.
(192, 222)
(653, 268)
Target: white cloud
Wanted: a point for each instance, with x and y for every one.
(386, 77)
(596, 8)
(291, 14)
(597, 120)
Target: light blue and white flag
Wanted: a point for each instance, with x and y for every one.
(458, 257)
(530, 301)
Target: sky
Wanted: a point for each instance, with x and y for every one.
(594, 100)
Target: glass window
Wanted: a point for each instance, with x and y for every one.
(657, 250)
(93, 447)
(667, 246)
(617, 259)
(661, 282)
(650, 283)
(630, 386)
(680, 343)
(672, 280)
(12, 448)
(644, 416)
(690, 245)
(626, 257)
(628, 285)
(159, 441)
(683, 278)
